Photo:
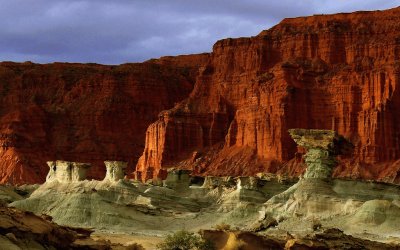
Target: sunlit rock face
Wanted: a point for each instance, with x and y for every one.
(84, 112)
(115, 170)
(65, 171)
(338, 72)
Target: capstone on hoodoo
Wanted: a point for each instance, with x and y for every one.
(65, 171)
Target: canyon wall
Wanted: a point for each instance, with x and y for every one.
(338, 72)
(84, 112)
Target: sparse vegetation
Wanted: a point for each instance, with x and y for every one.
(184, 240)
(222, 227)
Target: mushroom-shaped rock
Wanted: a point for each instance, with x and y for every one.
(115, 170)
(322, 147)
(65, 171)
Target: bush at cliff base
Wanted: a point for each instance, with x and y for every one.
(184, 240)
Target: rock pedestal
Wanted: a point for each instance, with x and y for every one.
(65, 171)
(115, 170)
(322, 146)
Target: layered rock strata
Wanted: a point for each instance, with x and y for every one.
(339, 72)
(84, 112)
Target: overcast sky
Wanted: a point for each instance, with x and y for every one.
(118, 31)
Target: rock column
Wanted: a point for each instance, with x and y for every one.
(322, 146)
(115, 170)
(65, 171)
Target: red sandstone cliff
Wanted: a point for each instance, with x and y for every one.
(84, 112)
(338, 72)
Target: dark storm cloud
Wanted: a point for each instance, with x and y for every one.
(118, 31)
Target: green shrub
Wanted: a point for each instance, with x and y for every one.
(222, 227)
(184, 240)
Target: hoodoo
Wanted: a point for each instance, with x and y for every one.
(115, 170)
(322, 147)
(64, 171)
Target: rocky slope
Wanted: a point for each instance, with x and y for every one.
(337, 72)
(24, 230)
(256, 206)
(83, 112)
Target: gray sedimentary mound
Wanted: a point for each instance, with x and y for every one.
(122, 205)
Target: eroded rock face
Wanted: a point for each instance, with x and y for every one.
(64, 171)
(84, 112)
(337, 72)
(115, 170)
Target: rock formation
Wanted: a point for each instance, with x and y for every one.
(84, 112)
(177, 179)
(24, 230)
(306, 210)
(64, 171)
(115, 170)
(322, 147)
(339, 72)
(225, 114)
(313, 202)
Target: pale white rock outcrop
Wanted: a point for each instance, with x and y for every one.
(115, 170)
(65, 171)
